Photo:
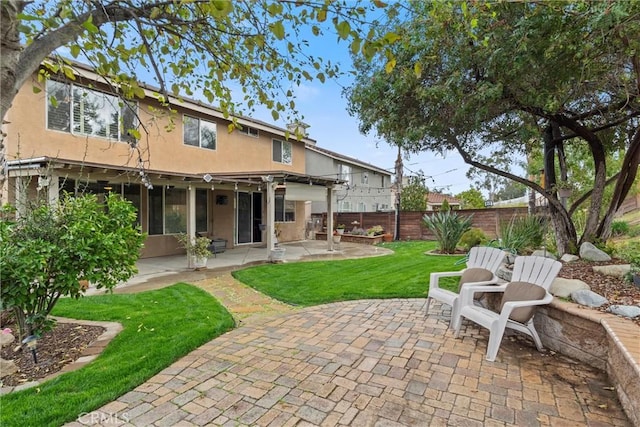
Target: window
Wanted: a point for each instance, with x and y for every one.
(362, 207)
(345, 173)
(364, 178)
(282, 152)
(248, 130)
(199, 133)
(167, 210)
(285, 209)
(84, 111)
(344, 206)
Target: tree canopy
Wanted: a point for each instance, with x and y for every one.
(414, 195)
(197, 48)
(495, 80)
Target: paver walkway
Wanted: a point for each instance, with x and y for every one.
(361, 363)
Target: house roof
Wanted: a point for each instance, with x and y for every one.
(437, 199)
(348, 159)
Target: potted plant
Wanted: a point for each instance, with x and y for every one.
(197, 248)
(340, 229)
(376, 230)
(337, 236)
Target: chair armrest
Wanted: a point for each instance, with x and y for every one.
(469, 290)
(434, 278)
(508, 307)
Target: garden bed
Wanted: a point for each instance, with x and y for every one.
(354, 238)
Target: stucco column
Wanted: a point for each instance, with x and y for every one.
(271, 214)
(22, 186)
(330, 217)
(191, 217)
(53, 190)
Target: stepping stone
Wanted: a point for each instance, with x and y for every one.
(617, 270)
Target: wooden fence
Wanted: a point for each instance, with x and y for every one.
(412, 227)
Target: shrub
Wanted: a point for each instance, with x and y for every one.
(448, 228)
(376, 230)
(472, 237)
(619, 228)
(630, 252)
(47, 251)
(522, 233)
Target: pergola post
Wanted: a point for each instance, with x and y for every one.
(330, 217)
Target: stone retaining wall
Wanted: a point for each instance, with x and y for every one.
(601, 340)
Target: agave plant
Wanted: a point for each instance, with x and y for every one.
(448, 227)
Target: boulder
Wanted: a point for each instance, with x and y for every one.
(504, 272)
(588, 298)
(6, 338)
(563, 288)
(544, 253)
(630, 311)
(7, 367)
(589, 252)
(616, 270)
(569, 258)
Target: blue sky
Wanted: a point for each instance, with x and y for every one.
(324, 108)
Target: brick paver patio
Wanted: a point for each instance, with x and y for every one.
(366, 363)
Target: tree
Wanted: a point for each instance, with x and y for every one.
(202, 45)
(471, 199)
(414, 195)
(47, 251)
(506, 79)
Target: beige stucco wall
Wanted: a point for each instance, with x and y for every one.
(163, 149)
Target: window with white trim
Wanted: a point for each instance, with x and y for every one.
(285, 209)
(344, 206)
(83, 111)
(199, 133)
(364, 178)
(282, 151)
(362, 207)
(248, 130)
(345, 173)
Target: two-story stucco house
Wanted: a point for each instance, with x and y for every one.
(365, 188)
(185, 173)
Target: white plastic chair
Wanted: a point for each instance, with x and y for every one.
(534, 270)
(484, 257)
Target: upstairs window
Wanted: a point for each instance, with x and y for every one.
(345, 173)
(199, 133)
(364, 178)
(248, 130)
(282, 152)
(83, 111)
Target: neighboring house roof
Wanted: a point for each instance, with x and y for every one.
(348, 159)
(437, 199)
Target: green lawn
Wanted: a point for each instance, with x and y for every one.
(405, 274)
(159, 327)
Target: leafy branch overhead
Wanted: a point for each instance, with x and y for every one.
(509, 80)
(191, 48)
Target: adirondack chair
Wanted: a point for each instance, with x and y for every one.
(482, 264)
(528, 288)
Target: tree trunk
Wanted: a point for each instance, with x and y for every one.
(9, 52)
(626, 179)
